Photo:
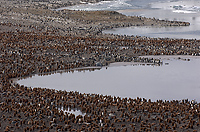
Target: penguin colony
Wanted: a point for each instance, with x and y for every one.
(30, 49)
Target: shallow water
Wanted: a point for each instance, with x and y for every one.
(176, 79)
(188, 11)
(158, 32)
(179, 10)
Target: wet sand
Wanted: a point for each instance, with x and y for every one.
(36, 40)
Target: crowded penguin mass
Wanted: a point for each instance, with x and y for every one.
(35, 39)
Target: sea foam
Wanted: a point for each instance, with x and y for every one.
(103, 5)
(178, 6)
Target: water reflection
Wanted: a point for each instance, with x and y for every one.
(158, 32)
(176, 79)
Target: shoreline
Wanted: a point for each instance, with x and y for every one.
(34, 39)
(114, 64)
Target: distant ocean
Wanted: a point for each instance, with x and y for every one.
(179, 10)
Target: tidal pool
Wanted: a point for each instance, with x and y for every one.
(176, 79)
